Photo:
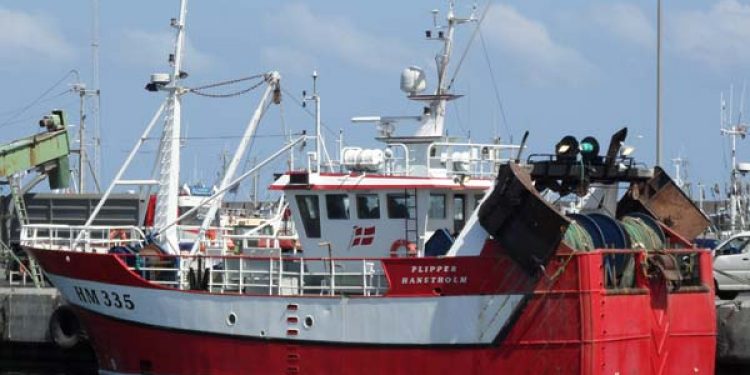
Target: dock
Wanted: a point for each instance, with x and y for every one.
(25, 311)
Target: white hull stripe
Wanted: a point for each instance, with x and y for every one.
(457, 320)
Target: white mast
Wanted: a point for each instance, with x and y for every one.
(733, 131)
(320, 145)
(433, 123)
(316, 98)
(169, 150)
(318, 140)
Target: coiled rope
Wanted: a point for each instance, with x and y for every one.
(577, 238)
(642, 236)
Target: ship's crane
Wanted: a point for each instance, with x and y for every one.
(47, 153)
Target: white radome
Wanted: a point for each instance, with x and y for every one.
(413, 80)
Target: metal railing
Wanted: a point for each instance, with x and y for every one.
(262, 275)
(470, 159)
(93, 238)
(399, 164)
(272, 273)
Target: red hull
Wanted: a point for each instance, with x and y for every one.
(126, 347)
(574, 328)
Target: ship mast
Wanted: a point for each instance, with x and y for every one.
(169, 148)
(733, 131)
(433, 122)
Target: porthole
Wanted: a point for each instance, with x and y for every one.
(231, 319)
(308, 321)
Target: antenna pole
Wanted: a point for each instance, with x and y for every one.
(318, 148)
(80, 88)
(95, 170)
(318, 133)
(82, 144)
(658, 83)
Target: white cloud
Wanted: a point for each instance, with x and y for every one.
(718, 36)
(26, 37)
(309, 36)
(528, 42)
(626, 21)
(145, 48)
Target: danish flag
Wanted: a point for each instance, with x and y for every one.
(363, 236)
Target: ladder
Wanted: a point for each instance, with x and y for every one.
(32, 270)
(411, 222)
(18, 202)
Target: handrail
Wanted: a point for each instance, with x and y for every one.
(80, 237)
(478, 164)
(263, 275)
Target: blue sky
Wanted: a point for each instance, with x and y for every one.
(575, 67)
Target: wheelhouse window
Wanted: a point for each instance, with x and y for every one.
(368, 206)
(337, 206)
(459, 212)
(400, 206)
(437, 206)
(309, 210)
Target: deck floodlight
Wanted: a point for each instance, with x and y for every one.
(626, 150)
(567, 148)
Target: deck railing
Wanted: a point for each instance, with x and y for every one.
(92, 238)
(262, 275)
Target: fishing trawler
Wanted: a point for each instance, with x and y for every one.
(426, 256)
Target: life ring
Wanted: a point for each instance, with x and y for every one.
(64, 328)
(396, 246)
(209, 237)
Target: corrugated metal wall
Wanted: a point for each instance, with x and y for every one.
(72, 209)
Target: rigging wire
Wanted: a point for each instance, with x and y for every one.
(458, 119)
(224, 137)
(468, 45)
(228, 82)
(35, 117)
(39, 98)
(45, 100)
(298, 102)
(199, 90)
(494, 85)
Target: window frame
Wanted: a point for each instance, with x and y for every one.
(391, 208)
(331, 202)
(366, 209)
(311, 223)
(444, 213)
